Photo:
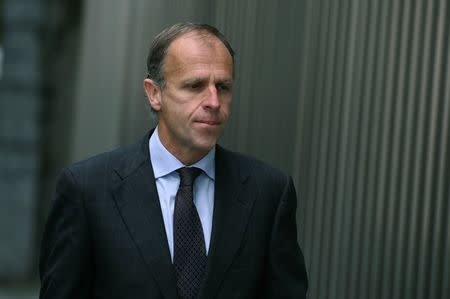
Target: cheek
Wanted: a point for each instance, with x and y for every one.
(226, 105)
(173, 106)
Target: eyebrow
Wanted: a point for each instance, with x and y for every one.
(200, 79)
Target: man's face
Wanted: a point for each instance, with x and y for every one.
(194, 105)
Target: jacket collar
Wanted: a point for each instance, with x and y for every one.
(136, 198)
(231, 214)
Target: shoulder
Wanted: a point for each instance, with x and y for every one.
(99, 165)
(252, 167)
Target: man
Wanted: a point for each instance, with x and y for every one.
(176, 216)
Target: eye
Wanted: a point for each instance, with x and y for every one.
(196, 85)
(223, 87)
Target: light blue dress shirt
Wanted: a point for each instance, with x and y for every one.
(167, 181)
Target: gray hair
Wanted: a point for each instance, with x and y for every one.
(158, 49)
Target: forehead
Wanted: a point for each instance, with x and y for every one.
(194, 49)
(195, 40)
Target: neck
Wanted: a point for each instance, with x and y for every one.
(186, 155)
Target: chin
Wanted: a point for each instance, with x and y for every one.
(206, 144)
(205, 147)
(206, 138)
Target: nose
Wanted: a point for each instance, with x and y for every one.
(212, 101)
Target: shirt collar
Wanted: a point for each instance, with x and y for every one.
(163, 162)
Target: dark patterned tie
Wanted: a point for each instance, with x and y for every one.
(189, 256)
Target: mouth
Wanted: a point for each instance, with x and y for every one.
(209, 122)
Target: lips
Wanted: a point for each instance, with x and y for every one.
(209, 122)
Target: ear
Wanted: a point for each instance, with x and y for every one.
(153, 92)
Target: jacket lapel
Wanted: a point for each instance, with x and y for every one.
(231, 213)
(136, 197)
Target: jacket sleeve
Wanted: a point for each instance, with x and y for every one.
(65, 259)
(287, 276)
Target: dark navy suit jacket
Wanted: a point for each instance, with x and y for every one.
(105, 236)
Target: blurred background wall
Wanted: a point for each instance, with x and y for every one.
(350, 97)
(20, 134)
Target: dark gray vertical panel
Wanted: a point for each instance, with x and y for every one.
(429, 212)
(265, 35)
(304, 166)
(382, 225)
(426, 111)
(378, 159)
(239, 23)
(135, 111)
(175, 11)
(405, 95)
(439, 131)
(301, 154)
(422, 125)
(312, 249)
(100, 82)
(358, 251)
(391, 149)
(412, 90)
(365, 39)
(376, 138)
(440, 271)
(368, 155)
(334, 160)
(341, 260)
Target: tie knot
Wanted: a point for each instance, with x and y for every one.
(188, 175)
